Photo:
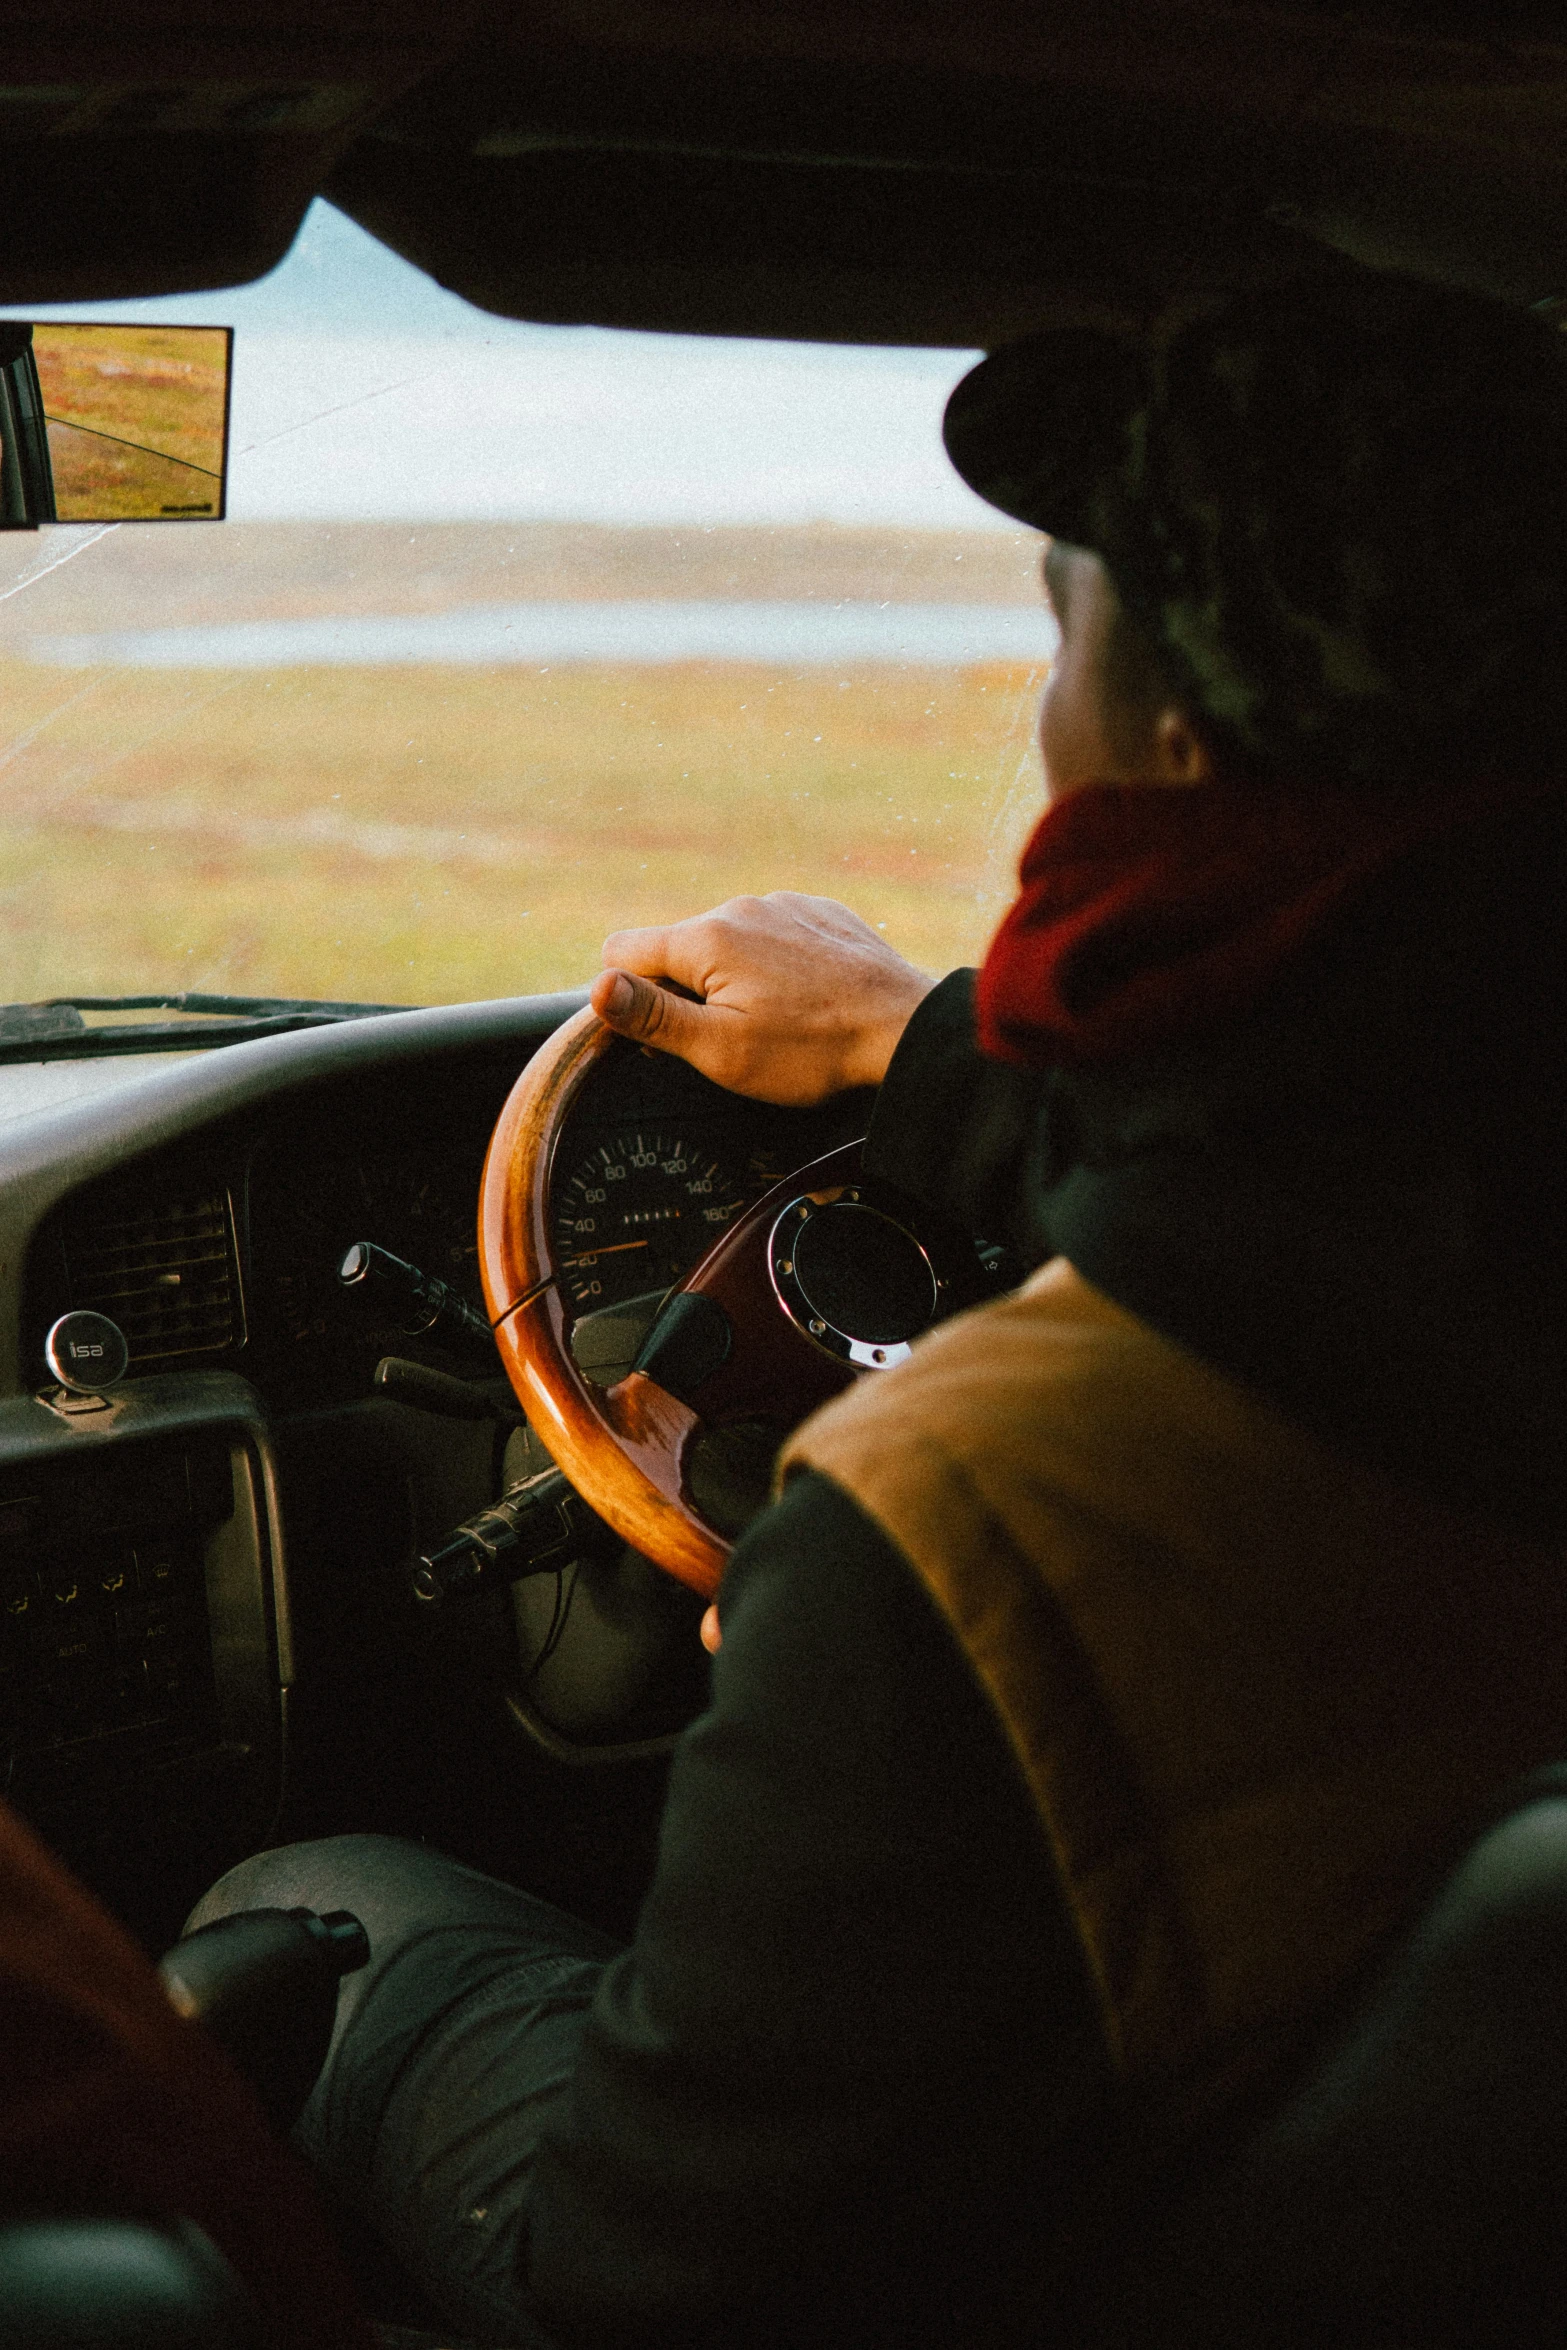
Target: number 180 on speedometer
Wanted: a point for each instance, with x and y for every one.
(637, 1214)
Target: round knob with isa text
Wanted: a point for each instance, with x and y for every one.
(87, 1352)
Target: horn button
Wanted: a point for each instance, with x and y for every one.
(854, 1279)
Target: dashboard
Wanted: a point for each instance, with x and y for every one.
(196, 1580)
(223, 1251)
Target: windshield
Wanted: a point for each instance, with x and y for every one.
(516, 634)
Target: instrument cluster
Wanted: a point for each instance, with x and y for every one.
(656, 1163)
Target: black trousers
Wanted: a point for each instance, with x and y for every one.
(450, 2049)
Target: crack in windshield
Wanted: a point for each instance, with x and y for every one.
(339, 408)
(41, 570)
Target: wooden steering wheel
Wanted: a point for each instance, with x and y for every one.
(823, 1279)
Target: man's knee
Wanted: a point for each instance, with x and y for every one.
(333, 1872)
(398, 1891)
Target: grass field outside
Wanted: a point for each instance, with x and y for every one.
(433, 834)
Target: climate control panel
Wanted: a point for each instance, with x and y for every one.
(104, 1626)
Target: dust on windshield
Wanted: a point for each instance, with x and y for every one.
(421, 757)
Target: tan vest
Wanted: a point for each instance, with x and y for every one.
(1255, 1691)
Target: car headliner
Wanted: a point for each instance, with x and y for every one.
(843, 170)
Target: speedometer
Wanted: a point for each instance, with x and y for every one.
(637, 1214)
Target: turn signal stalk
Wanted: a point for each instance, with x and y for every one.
(537, 1527)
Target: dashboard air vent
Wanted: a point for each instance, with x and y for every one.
(164, 1269)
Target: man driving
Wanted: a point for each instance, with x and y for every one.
(1109, 1680)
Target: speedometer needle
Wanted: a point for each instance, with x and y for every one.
(618, 1250)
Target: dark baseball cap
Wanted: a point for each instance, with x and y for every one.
(1338, 508)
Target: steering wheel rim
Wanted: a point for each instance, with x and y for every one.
(627, 1448)
(622, 1456)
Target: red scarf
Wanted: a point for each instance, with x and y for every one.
(1147, 912)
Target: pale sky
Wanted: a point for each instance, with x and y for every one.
(362, 390)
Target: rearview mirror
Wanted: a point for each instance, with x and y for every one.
(112, 423)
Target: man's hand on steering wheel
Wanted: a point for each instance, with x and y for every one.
(786, 998)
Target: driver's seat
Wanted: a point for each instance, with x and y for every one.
(1412, 2194)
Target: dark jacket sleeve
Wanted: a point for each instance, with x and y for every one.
(830, 2091)
(959, 1132)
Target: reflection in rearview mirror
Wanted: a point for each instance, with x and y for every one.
(112, 423)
